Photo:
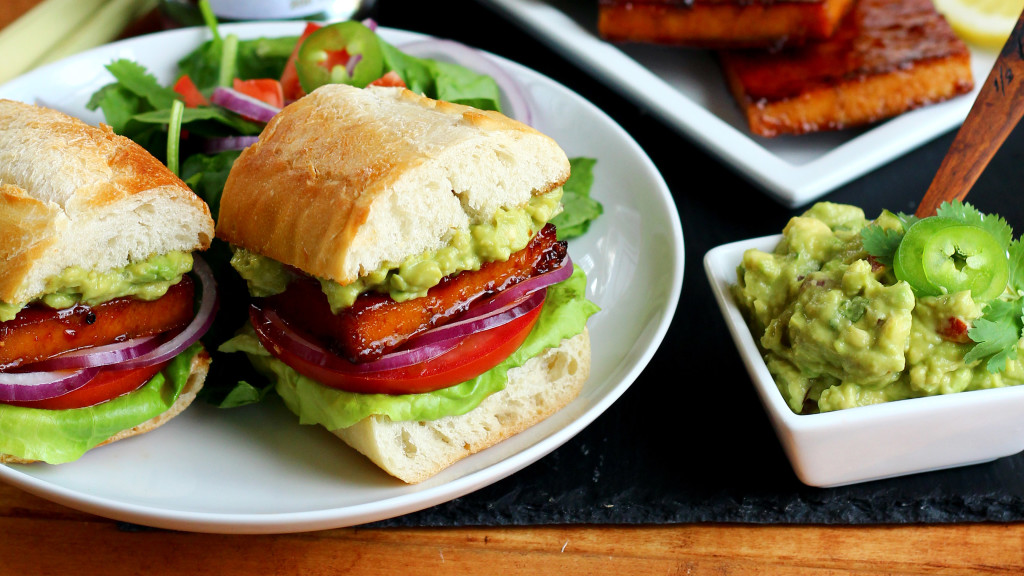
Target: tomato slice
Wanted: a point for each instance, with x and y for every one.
(324, 56)
(943, 256)
(268, 90)
(290, 78)
(473, 356)
(106, 385)
(189, 92)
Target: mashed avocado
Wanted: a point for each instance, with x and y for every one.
(147, 279)
(837, 329)
(509, 232)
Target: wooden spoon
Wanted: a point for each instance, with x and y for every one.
(995, 112)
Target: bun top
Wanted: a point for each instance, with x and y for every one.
(346, 179)
(72, 194)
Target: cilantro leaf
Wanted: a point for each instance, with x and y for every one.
(134, 77)
(1016, 251)
(907, 220)
(881, 243)
(964, 212)
(996, 334)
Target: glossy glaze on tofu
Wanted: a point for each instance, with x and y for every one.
(720, 23)
(886, 57)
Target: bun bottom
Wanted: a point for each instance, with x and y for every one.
(196, 378)
(414, 451)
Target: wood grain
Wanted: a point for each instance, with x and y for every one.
(995, 112)
(84, 544)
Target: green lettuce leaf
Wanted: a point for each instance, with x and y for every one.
(564, 315)
(578, 208)
(58, 436)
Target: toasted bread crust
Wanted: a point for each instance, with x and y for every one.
(200, 368)
(415, 451)
(888, 57)
(72, 194)
(340, 181)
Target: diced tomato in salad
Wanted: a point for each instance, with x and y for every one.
(268, 90)
(191, 95)
(390, 79)
(290, 77)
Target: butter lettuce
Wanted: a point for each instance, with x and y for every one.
(565, 314)
(58, 436)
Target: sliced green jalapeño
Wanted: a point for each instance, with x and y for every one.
(341, 53)
(942, 256)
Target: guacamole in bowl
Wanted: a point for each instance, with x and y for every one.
(842, 322)
(869, 364)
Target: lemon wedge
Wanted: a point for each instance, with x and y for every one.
(987, 23)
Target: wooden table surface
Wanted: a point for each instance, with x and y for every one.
(40, 537)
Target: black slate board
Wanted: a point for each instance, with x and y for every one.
(689, 441)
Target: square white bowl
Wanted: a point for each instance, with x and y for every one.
(870, 442)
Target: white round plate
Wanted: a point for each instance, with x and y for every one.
(255, 469)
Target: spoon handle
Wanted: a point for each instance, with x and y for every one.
(995, 112)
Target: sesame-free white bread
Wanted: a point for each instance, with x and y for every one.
(346, 179)
(72, 194)
(415, 451)
(200, 368)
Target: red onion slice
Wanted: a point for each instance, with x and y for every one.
(519, 106)
(354, 61)
(31, 386)
(195, 330)
(214, 145)
(243, 104)
(99, 356)
(517, 291)
(494, 317)
(40, 385)
(275, 332)
(370, 23)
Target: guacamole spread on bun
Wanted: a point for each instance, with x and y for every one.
(850, 312)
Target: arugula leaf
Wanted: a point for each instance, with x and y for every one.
(996, 334)
(200, 113)
(206, 175)
(461, 85)
(578, 208)
(964, 212)
(417, 72)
